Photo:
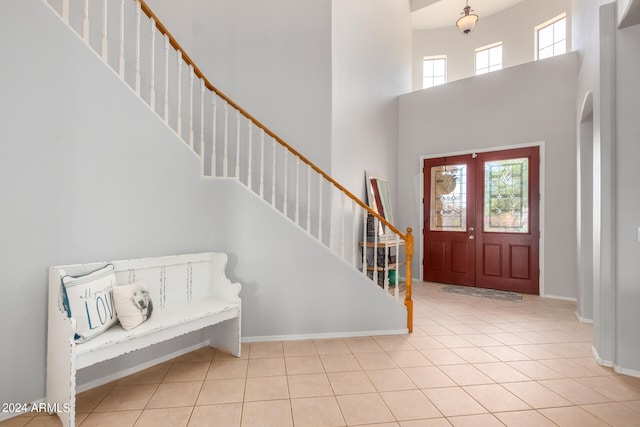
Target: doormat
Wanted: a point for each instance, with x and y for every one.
(482, 292)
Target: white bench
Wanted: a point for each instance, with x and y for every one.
(189, 293)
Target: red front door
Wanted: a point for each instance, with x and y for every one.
(481, 225)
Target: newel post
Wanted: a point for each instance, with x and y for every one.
(408, 302)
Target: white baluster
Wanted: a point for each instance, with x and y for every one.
(354, 226)
(121, 59)
(214, 101)
(237, 144)
(375, 250)
(249, 153)
(273, 172)
(65, 11)
(364, 241)
(165, 113)
(225, 158)
(308, 199)
(397, 275)
(152, 79)
(202, 160)
(298, 190)
(385, 272)
(105, 43)
(330, 216)
(286, 181)
(85, 18)
(320, 213)
(342, 224)
(179, 113)
(262, 164)
(137, 77)
(191, 77)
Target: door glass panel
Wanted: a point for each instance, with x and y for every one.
(449, 198)
(506, 196)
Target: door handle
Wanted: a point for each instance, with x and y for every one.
(471, 237)
(471, 228)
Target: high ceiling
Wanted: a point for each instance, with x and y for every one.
(430, 14)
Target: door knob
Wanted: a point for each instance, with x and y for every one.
(471, 228)
(471, 237)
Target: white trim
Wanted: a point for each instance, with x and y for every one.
(625, 371)
(599, 360)
(541, 145)
(322, 336)
(558, 297)
(582, 319)
(616, 368)
(537, 28)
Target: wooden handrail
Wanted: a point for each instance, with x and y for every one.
(147, 10)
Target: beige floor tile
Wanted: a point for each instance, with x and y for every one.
(171, 395)
(19, 421)
(524, 419)
(204, 354)
(423, 342)
(221, 391)
(340, 362)
(363, 345)
(225, 415)
(453, 401)
(433, 422)
(266, 367)
(299, 348)
(465, 375)
(110, 419)
(88, 400)
(309, 385)
(575, 392)
(408, 358)
(442, 356)
(453, 341)
(350, 382)
(500, 372)
(496, 398)
(435, 330)
(507, 338)
(332, 346)
(126, 397)
(317, 412)
(536, 395)
(166, 417)
(38, 421)
(266, 388)
(614, 387)
(393, 343)
(259, 350)
(474, 355)
(303, 365)
(390, 380)
(570, 368)
(570, 349)
(505, 353)
(484, 420)
(364, 409)
(227, 368)
(615, 414)
(462, 329)
(633, 405)
(223, 354)
(429, 377)
(486, 328)
(481, 340)
(535, 351)
(152, 375)
(572, 416)
(410, 405)
(189, 371)
(375, 361)
(272, 413)
(536, 370)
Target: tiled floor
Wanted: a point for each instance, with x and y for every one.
(470, 362)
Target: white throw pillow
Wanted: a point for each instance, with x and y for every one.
(89, 300)
(133, 304)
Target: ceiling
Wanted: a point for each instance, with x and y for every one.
(430, 14)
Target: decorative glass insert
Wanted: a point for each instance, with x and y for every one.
(506, 196)
(449, 198)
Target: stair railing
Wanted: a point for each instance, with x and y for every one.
(231, 143)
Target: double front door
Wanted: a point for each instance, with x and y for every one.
(481, 220)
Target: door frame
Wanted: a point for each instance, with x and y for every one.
(420, 201)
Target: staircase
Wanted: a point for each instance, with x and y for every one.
(229, 142)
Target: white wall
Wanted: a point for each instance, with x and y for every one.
(526, 104)
(371, 66)
(514, 27)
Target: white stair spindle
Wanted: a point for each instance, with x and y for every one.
(214, 101)
(320, 213)
(330, 226)
(85, 19)
(249, 153)
(397, 275)
(375, 250)
(354, 235)
(308, 199)
(297, 190)
(225, 156)
(262, 163)
(342, 224)
(105, 43)
(165, 113)
(202, 159)
(138, 18)
(191, 77)
(121, 58)
(65, 11)
(237, 167)
(273, 172)
(286, 182)
(385, 272)
(152, 78)
(179, 113)
(364, 240)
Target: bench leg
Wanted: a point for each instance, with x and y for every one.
(226, 335)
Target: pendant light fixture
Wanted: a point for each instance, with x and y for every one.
(468, 21)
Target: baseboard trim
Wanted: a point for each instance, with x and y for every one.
(582, 319)
(599, 360)
(327, 335)
(625, 371)
(559, 297)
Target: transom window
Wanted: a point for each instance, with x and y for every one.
(434, 71)
(489, 58)
(551, 37)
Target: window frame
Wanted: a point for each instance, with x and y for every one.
(536, 35)
(434, 58)
(488, 49)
